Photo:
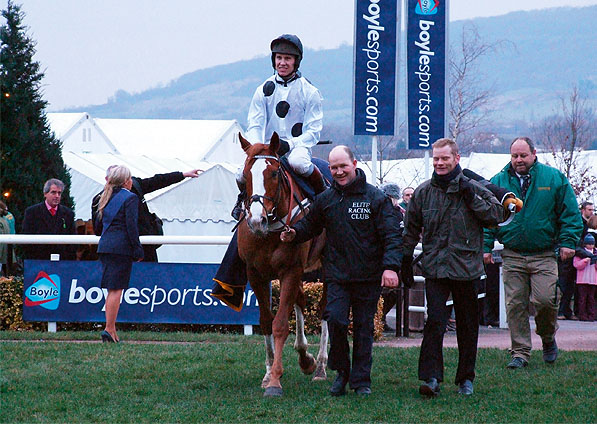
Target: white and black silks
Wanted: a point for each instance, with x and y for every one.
(293, 109)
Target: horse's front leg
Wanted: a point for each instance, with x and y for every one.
(269, 359)
(322, 356)
(306, 361)
(288, 289)
(261, 290)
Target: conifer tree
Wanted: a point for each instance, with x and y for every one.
(29, 152)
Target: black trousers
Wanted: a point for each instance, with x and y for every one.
(491, 304)
(431, 359)
(567, 284)
(362, 299)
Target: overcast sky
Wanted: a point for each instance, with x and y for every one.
(90, 48)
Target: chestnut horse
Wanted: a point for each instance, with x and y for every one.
(272, 204)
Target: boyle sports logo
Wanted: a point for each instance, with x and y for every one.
(44, 292)
(426, 7)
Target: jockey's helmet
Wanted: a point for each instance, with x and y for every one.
(287, 44)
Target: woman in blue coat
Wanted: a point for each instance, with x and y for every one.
(119, 243)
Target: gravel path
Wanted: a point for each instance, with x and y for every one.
(572, 335)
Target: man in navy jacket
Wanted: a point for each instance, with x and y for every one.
(362, 254)
(49, 217)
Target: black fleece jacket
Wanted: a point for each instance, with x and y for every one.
(363, 234)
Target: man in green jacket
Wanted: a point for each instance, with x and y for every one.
(549, 220)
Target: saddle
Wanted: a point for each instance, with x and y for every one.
(302, 182)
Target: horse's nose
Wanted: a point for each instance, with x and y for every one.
(263, 220)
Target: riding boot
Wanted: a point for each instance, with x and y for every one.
(316, 181)
(238, 207)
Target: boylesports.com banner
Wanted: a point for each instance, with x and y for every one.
(158, 293)
(375, 67)
(426, 69)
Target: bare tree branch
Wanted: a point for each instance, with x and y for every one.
(468, 91)
(568, 133)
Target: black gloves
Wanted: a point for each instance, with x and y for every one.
(497, 191)
(406, 271)
(467, 191)
(504, 196)
(283, 148)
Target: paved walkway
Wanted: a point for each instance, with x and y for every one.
(572, 335)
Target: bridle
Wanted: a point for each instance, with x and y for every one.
(271, 215)
(275, 222)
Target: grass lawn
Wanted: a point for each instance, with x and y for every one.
(217, 379)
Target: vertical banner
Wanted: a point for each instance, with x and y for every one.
(375, 67)
(426, 41)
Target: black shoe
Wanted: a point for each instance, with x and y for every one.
(339, 385)
(430, 388)
(516, 363)
(363, 391)
(237, 211)
(550, 352)
(465, 388)
(107, 337)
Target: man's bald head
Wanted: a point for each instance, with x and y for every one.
(343, 165)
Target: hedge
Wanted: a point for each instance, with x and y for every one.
(313, 293)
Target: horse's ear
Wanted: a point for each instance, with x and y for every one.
(274, 143)
(244, 143)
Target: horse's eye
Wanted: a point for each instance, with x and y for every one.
(274, 174)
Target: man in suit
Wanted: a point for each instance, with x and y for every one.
(50, 217)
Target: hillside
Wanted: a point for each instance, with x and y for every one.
(546, 53)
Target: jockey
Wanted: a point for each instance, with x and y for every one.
(291, 106)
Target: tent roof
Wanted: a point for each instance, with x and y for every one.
(191, 139)
(206, 198)
(61, 123)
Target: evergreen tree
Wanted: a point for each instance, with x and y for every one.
(29, 152)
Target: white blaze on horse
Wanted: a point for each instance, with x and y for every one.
(274, 202)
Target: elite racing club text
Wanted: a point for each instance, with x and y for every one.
(424, 76)
(359, 210)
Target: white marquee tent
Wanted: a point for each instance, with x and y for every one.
(195, 206)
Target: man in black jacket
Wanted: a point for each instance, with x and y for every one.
(363, 249)
(142, 186)
(450, 210)
(49, 217)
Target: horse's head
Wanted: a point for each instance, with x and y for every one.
(264, 182)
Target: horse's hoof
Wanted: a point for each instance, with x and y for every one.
(265, 381)
(310, 370)
(273, 392)
(308, 365)
(320, 375)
